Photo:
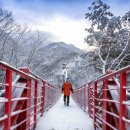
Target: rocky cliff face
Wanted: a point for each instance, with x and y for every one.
(54, 55)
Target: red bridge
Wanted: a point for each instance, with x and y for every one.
(26, 97)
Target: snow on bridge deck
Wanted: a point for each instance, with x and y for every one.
(61, 117)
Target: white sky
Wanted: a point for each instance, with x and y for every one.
(64, 19)
(63, 27)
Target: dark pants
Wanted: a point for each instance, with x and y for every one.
(68, 97)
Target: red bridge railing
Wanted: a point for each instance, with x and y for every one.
(24, 98)
(108, 100)
(80, 96)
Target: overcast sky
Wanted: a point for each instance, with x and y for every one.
(63, 18)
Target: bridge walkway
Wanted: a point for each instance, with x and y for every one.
(61, 117)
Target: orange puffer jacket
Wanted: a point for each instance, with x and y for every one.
(67, 88)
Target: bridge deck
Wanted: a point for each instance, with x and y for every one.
(61, 117)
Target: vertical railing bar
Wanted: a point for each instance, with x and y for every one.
(43, 97)
(95, 104)
(28, 102)
(35, 103)
(89, 98)
(122, 125)
(85, 100)
(8, 95)
(104, 105)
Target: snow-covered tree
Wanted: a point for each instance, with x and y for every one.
(110, 36)
(32, 49)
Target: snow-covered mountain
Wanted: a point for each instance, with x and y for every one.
(52, 56)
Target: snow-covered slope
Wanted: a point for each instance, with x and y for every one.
(52, 57)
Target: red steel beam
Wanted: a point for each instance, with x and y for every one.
(8, 95)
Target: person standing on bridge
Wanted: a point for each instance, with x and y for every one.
(66, 90)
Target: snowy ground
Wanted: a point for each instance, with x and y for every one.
(61, 117)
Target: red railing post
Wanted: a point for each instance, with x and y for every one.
(85, 100)
(95, 104)
(89, 99)
(78, 96)
(104, 105)
(35, 103)
(81, 99)
(28, 102)
(43, 97)
(122, 111)
(8, 95)
(51, 96)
